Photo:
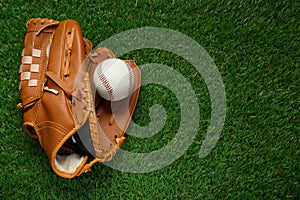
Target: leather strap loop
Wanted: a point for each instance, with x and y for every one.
(60, 83)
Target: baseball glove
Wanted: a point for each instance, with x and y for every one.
(74, 125)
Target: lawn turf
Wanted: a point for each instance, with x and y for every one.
(255, 45)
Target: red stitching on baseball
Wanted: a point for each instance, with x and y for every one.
(105, 82)
(130, 87)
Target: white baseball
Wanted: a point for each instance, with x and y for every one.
(114, 79)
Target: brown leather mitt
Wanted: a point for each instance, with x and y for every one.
(61, 108)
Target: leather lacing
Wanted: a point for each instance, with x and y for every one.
(68, 53)
(101, 154)
(47, 25)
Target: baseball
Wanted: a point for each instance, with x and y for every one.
(113, 79)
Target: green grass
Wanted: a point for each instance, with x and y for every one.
(255, 45)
